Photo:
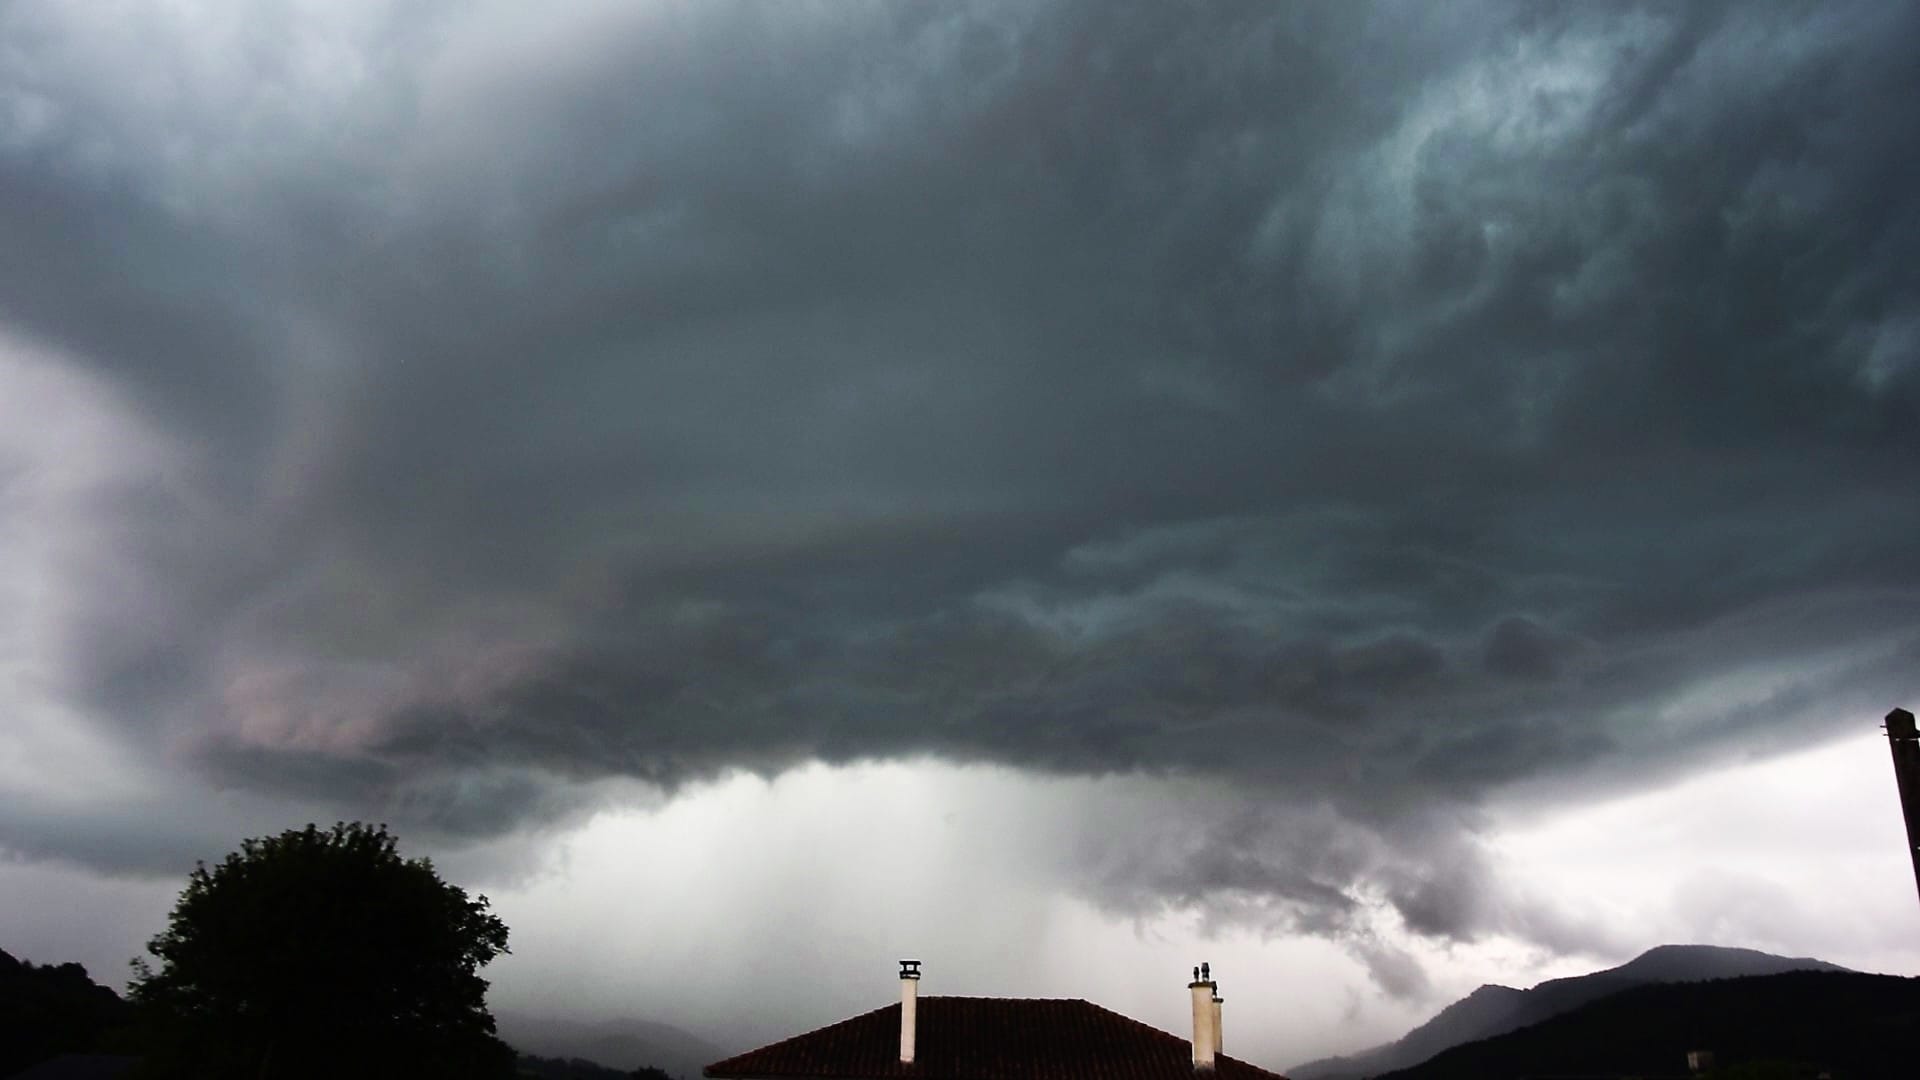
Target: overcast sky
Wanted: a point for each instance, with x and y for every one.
(1377, 498)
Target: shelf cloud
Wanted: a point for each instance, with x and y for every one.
(449, 414)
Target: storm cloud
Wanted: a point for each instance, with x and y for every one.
(1365, 411)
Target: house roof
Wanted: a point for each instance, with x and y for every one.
(962, 1038)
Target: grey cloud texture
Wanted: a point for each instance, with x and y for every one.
(1374, 410)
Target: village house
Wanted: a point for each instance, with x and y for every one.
(968, 1038)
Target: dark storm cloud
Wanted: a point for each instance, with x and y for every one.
(1379, 407)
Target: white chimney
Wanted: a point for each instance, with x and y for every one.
(1219, 1040)
(909, 1006)
(1206, 1036)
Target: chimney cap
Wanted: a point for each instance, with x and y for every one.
(909, 969)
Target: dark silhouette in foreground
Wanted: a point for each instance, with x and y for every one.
(58, 1024)
(83, 1067)
(322, 953)
(1903, 738)
(47, 1010)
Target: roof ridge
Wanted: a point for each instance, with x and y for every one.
(965, 1037)
(994, 997)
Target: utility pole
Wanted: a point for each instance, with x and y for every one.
(1906, 772)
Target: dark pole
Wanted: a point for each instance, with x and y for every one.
(1906, 772)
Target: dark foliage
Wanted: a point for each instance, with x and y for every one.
(1850, 1025)
(49, 1010)
(323, 953)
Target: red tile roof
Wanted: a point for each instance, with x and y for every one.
(960, 1038)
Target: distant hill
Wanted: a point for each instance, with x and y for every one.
(1803, 1023)
(53, 1009)
(1495, 1010)
(621, 1044)
(535, 1067)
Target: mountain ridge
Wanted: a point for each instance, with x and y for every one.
(1791, 1024)
(1493, 1009)
(626, 1043)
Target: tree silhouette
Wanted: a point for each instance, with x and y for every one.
(323, 953)
(51, 1009)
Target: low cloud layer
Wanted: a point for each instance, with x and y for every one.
(1370, 412)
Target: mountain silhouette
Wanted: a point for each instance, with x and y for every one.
(622, 1044)
(1801, 1023)
(1495, 1010)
